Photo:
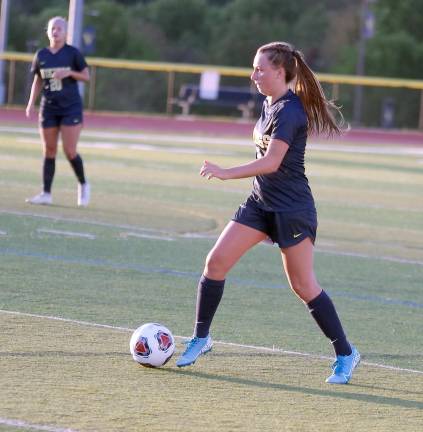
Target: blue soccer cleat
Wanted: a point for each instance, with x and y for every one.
(343, 367)
(195, 347)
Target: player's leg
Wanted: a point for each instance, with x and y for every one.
(235, 240)
(299, 268)
(70, 137)
(49, 137)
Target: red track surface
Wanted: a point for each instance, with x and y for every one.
(195, 125)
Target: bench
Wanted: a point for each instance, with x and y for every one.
(242, 98)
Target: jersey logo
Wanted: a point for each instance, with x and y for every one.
(47, 73)
(261, 141)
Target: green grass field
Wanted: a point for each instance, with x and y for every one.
(75, 282)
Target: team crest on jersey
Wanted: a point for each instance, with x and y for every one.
(142, 348)
(164, 340)
(261, 142)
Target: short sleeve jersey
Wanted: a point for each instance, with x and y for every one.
(59, 95)
(287, 189)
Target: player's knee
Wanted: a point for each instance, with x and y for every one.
(70, 155)
(216, 266)
(50, 152)
(306, 288)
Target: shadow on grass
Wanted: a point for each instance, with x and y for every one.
(335, 393)
(399, 390)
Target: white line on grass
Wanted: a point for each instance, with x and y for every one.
(140, 147)
(360, 255)
(383, 150)
(257, 348)
(199, 235)
(82, 221)
(147, 236)
(66, 233)
(22, 424)
(344, 148)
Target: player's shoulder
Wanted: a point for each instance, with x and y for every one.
(290, 101)
(69, 48)
(41, 52)
(72, 50)
(289, 105)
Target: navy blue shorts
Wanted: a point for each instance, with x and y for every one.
(284, 228)
(50, 119)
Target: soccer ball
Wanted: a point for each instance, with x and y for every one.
(152, 345)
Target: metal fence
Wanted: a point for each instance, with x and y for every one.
(151, 87)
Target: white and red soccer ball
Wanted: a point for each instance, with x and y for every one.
(152, 345)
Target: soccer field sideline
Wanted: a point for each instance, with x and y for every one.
(275, 350)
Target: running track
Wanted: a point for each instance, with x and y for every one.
(197, 125)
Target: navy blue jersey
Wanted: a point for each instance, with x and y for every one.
(287, 189)
(59, 95)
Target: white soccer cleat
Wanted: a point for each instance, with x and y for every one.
(84, 192)
(43, 198)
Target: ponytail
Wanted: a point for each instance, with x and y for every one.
(320, 111)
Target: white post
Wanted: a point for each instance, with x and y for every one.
(76, 17)
(367, 28)
(4, 13)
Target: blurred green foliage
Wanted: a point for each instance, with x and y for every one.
(228, 32)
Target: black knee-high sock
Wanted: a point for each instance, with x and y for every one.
(78, 167)
(49, 167)
(209, 295)
(323, 311)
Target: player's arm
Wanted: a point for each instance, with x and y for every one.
(83, 75)
(268, 164)
(36, 87)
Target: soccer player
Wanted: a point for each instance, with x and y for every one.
(281, 205)
(57, 70)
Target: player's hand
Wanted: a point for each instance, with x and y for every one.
(210, 170)
(29, 111)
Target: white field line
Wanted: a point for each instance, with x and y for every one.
(178, 138)
(383, 150)
(81, 221)
(147, 236)
(21, 424)
(163, 235)
(66, 233)
(110, 145)
(141, 136)
(341, 148)
(361, 255)
(274, 349)
(3, 233)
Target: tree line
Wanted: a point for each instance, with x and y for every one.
(228, 32)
